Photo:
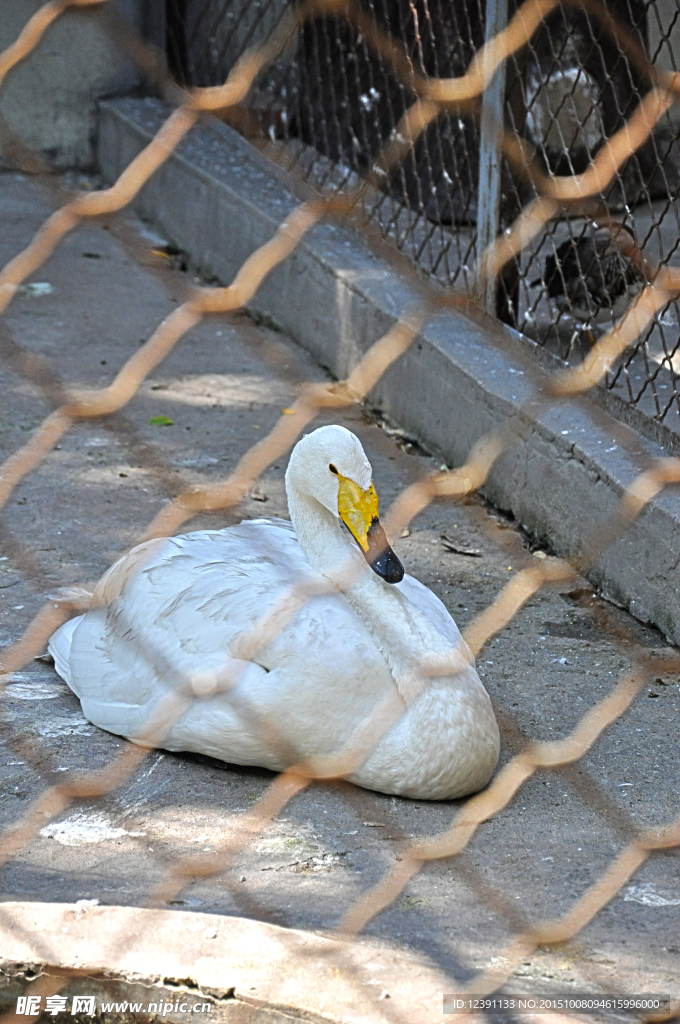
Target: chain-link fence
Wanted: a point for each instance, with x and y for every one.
(329, 105)
(416, 114)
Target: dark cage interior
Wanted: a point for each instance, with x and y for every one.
(328, 106)
(579, 85)
(573, 88)
(581, 80)
(350, 103)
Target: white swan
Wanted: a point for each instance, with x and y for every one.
(190, 611)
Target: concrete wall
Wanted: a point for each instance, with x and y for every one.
(49, 100)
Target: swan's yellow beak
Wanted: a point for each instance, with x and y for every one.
(359, 512)
(357, 509)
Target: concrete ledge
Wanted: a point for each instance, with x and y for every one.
(216, 199)
(246, 970)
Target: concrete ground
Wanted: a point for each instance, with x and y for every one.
(223, 387)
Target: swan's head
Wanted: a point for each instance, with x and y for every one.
(330, 466)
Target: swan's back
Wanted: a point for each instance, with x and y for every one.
(177, 615)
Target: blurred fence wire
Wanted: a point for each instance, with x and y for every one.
(429, 89)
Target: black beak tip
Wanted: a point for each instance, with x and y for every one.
(388, 566)
(381, 557)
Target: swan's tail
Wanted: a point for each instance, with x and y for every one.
(59, 647)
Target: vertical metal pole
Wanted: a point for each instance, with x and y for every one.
(489, 194)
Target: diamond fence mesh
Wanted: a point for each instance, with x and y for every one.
(429, 120)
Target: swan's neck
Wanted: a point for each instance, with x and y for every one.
(402, 633)
(325, 542)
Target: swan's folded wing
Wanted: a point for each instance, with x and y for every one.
(179, 613)
(183, 604)
(128, 695)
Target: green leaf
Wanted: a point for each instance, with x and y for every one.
(160, 421)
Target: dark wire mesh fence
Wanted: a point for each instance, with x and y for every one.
(571, 89)
(331, 103)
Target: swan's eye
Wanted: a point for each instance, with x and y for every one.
(332, 468)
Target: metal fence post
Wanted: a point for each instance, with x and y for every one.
(491, 123)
